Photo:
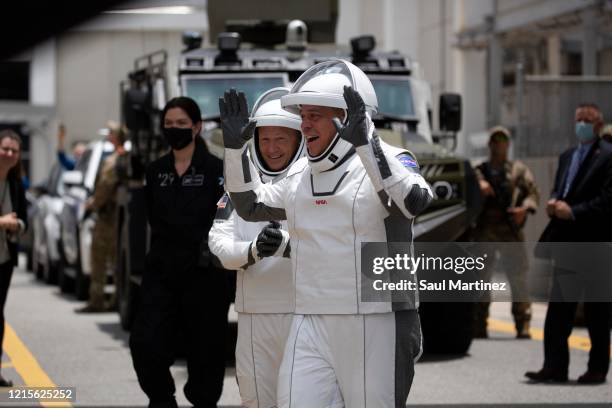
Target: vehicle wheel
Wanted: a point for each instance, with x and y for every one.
(29, 260)
(127, 291)
(49, 271)
(81, 285)
(44, 267)
(36, 266)
(81, 281)
(30, 263)
(447, 327)
(66, 283)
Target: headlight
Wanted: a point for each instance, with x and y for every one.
(445, 190)
(442, 190)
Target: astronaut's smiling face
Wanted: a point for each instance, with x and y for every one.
(277, 145)
(317, 127)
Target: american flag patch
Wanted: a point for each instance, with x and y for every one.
(222, 202)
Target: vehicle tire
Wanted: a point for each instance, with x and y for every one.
(30, 264)
(29, 260)
(81, 285)
(447, 327)
(49, 271)
(36, 266)
(127, 291)
(81, 281)
(65, 282)
(44, 267)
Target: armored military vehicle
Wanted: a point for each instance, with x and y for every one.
(404, 119)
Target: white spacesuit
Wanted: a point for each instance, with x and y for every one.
(264, 285)
(342, 350)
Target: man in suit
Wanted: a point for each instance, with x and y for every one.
(580, 210)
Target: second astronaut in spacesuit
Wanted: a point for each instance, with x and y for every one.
(259, 252)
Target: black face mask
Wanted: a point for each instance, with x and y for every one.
(178, 138)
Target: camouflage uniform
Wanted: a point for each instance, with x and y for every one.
(103, 245)
(494, 225)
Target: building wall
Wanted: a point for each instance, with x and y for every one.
(91, 66)
(43, 92)
(472, 12)
(34, 117)
(425, 30)
(89, 62)
(605, 63)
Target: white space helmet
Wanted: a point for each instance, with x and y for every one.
(323, 85)
(267, 111)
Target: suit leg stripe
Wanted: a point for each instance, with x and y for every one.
(297, 333)
(355, 244)
(253, 361)
(405, 322)
(365, 394)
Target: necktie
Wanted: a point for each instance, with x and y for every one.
(577, 158)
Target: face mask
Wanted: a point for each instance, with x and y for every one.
(584, 132)
(178, 138)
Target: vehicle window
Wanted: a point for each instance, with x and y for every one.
(101, 164)
(59, 190)
(104, 156)
(394, 96)
(206, 90)
(54, 179)
(83, 162)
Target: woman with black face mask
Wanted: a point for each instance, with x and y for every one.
(182, 296)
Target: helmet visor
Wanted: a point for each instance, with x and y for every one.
(320, 85)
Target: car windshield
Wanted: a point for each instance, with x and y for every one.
(54, 182)
(394, 96)
(206, 90)
(83, 162)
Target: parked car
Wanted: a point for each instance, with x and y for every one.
(44, 217)
(76, 222)
(26, 240)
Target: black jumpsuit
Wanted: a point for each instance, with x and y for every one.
(179, 294)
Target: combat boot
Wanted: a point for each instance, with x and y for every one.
(522, 329)
(92, 308)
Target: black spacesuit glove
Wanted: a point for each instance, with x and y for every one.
(356, 129)
(235, 123)
(269, 240)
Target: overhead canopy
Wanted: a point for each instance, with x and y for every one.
(30, 22)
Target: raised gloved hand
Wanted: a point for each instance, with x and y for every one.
(269, 240)
(356, 129)
(235, 123)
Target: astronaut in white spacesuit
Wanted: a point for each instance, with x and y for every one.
(259, 253)
(351, 188)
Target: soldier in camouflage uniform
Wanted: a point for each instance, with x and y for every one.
(510, 193)
(104, 238)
